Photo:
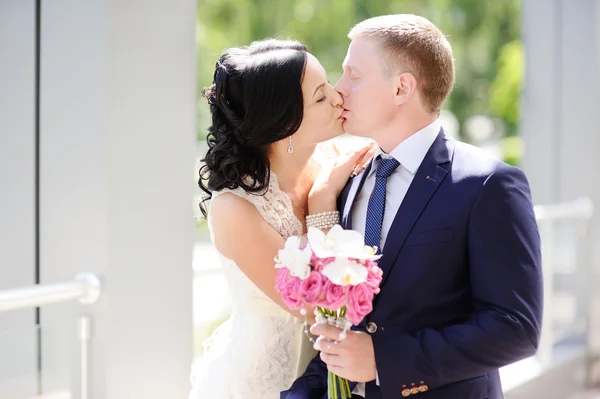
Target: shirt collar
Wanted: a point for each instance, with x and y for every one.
(411, 152)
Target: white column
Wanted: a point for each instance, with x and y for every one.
(118, 139)
(540, 100)
(151, 152)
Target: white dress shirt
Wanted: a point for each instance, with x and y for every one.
(410, 153)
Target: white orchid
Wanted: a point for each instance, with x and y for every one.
(340, 243)
(344, 272)
(296, 260)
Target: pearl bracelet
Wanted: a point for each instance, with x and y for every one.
(323, 220)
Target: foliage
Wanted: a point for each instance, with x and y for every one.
(484, 36)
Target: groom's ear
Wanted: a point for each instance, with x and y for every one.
(406, 85)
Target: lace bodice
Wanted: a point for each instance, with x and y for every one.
(274, 205)
(276, 208)
(261, 349)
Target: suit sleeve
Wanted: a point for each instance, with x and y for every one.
(312, 384)
(506, 284)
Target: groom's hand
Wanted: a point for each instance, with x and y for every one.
(352, 358)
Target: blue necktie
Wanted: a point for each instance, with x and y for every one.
(376, 208)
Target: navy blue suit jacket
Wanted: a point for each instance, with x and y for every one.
(461, 294)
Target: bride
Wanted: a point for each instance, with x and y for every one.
(271, 105)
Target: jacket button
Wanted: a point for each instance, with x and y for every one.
(371, 327)
(406, 392)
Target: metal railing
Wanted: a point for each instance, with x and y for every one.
(86, 288)
(577, 215)
(579, 209)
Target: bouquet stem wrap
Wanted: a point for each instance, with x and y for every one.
(337, 387)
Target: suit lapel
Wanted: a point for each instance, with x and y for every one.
(432, 171)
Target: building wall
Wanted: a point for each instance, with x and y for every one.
(18, 334)
(116, 148)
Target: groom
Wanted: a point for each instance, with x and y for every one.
(462, 287)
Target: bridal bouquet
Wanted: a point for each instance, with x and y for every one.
(334, 273)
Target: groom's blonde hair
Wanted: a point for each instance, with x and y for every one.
(413, 44)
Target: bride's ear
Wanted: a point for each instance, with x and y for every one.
(405, 86)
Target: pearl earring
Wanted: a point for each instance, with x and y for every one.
(290, 149)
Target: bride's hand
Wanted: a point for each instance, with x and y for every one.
(334, 174)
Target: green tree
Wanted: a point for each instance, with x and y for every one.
(483, 35)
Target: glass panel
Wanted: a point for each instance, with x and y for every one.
(18, 359)
(28, 373)
(60, 352)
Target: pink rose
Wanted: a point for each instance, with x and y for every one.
(333, 296)
(311, 288)
(283, 275)
(290, 293)
(374, 277)
(360, 303)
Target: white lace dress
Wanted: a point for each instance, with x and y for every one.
(261, 349)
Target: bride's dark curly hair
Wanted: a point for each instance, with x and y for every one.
(255, 100)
